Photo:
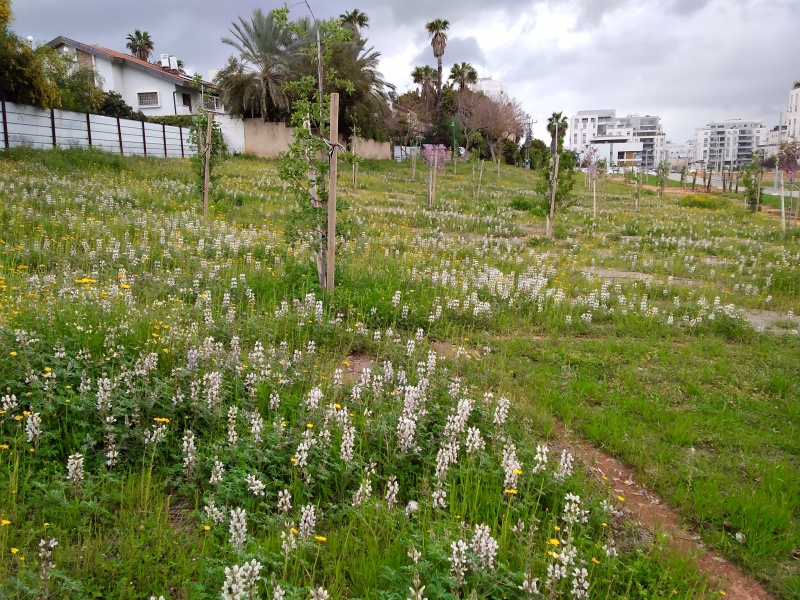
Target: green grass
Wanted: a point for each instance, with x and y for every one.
(625, 327)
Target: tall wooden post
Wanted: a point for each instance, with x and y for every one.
(207, 172)
(332, 173)
(6, 142)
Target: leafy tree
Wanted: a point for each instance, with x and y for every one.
(140, 44)
(557, 128)
(5, 13)
(253, 82)
(751, 182)
(354, 21)
(22, 76)
(305, 166)
(76, 85)
(564, 181)
(351, 69)
(463, 74)
(538, 153)
(113, 105)
(437, 30)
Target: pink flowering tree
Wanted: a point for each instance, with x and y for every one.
(593, 164)
(433, 154)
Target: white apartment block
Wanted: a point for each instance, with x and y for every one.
(644, 135)
(728, 143)
(775, 137)
(793, 113)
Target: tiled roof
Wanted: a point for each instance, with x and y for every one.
(136, 63)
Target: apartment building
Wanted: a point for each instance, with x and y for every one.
(793, 113)
(602, 127)
(728, 143)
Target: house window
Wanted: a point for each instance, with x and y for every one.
(187, 100)
(148, 99)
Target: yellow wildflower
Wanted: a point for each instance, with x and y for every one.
(320, 538)
(553, 541)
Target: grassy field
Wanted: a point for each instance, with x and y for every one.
(187, 415)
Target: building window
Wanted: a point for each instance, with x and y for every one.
(148, 99)
(187, 100)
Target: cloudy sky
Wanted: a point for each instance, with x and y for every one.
(689, 61)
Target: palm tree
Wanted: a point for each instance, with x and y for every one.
(355, 21)
(140, 44)
(424, 77)
(253, 82)
(437, 31)
(557, 128)
(463, 74)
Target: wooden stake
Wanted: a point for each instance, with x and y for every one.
(333, 172)
(207, 172)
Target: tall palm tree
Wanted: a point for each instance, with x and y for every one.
(437, 30)
(254, 81)
(140, 44)
(354, 20)
(463, 74)
(424, 77)
(557, 128)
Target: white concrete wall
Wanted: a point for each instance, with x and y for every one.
(29, 126)
(232, 132)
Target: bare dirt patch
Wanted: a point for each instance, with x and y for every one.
(771, 321)
(649, 512)
(354, 365)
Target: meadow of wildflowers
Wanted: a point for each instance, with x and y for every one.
(185, 414)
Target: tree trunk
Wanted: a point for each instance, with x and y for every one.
(783, 202)
(554, 187)
(594, 197)
(439, 90)
(694, 179)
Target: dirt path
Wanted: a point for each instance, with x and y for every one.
(648, 510)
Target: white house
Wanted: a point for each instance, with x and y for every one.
(150, 88)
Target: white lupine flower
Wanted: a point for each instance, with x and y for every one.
(475, 442)
(274, 401)
(189, 453)
(501, 411)
(213, 513)
(580, 585)
(241, 582)
(319, 594)
(530, 586)
(439, 496)
(458, 560)
(217, 472)
(32, 428)
(313, 399)
(255, 485)
(75, 472)
(308, 520)
(9, 403)
(154, 436)
(288, 539)
(573, 513)
(284, 501)
(233, 436)
(278, 593)
(238, 529)
(511, 466)
(540, 458)
(484, 546)
(564, 466)
(392, 488)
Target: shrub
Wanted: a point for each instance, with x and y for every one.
(705, 201)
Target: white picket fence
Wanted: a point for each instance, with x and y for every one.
(51, 128)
